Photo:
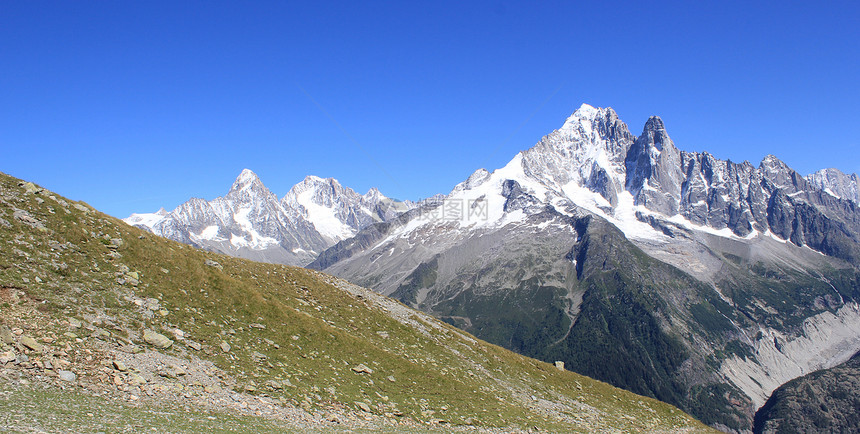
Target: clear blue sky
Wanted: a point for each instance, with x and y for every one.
(133, 105)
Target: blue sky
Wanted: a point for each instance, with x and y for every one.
(131, 106)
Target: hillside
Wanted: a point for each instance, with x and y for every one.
(102, 324)
(823, 401)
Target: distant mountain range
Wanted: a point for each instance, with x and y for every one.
(251, 222)
(701, 282)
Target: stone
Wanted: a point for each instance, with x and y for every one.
(194, 345)
(391, 378)
(67, 375)
(6, 335)
(225, 347)
(258, 357)
(136, 379)
(152, 304)
(363, 406)
(256, 326)
(30, 343)
(213, 264)
(116, 241)
(7, 357)
(75, 323)
(157, 340)
(559, 365)
(119, 366)
(362, 369)
(81, 208)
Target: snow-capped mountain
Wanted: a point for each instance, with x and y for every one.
(250, 221)
(836, 183)
(746, 280)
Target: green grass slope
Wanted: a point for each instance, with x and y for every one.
(88, 306)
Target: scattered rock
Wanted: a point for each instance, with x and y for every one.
(75, 323)
(390, 378)
(67, 375)
(157, 340)
(116, 242)
(225, 347)
(363, 406)
(7, 357)
(194, 345)
(30, 343)
(213, 264)
(120, 366)
(559, 365)
(362, 369)
(256, 326)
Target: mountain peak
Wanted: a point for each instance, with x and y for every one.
(654, 124)
(655, 133)
(588, 114)
(245, 180)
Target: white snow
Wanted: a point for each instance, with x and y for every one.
(145, 219)
(323, 218)
(209, 233)
(257, 241)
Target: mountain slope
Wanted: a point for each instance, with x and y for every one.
(147, 326)
(823, 401)
(699, 281)
(251, 222)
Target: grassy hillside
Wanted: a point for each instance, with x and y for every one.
(99, 319)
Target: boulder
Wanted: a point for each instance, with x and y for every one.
(157, 340)
(361, 368)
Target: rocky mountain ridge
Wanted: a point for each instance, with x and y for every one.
(720, 263)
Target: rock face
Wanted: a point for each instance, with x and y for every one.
(836, 183)
(823, 401)
(250, 221)
(673, 274)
